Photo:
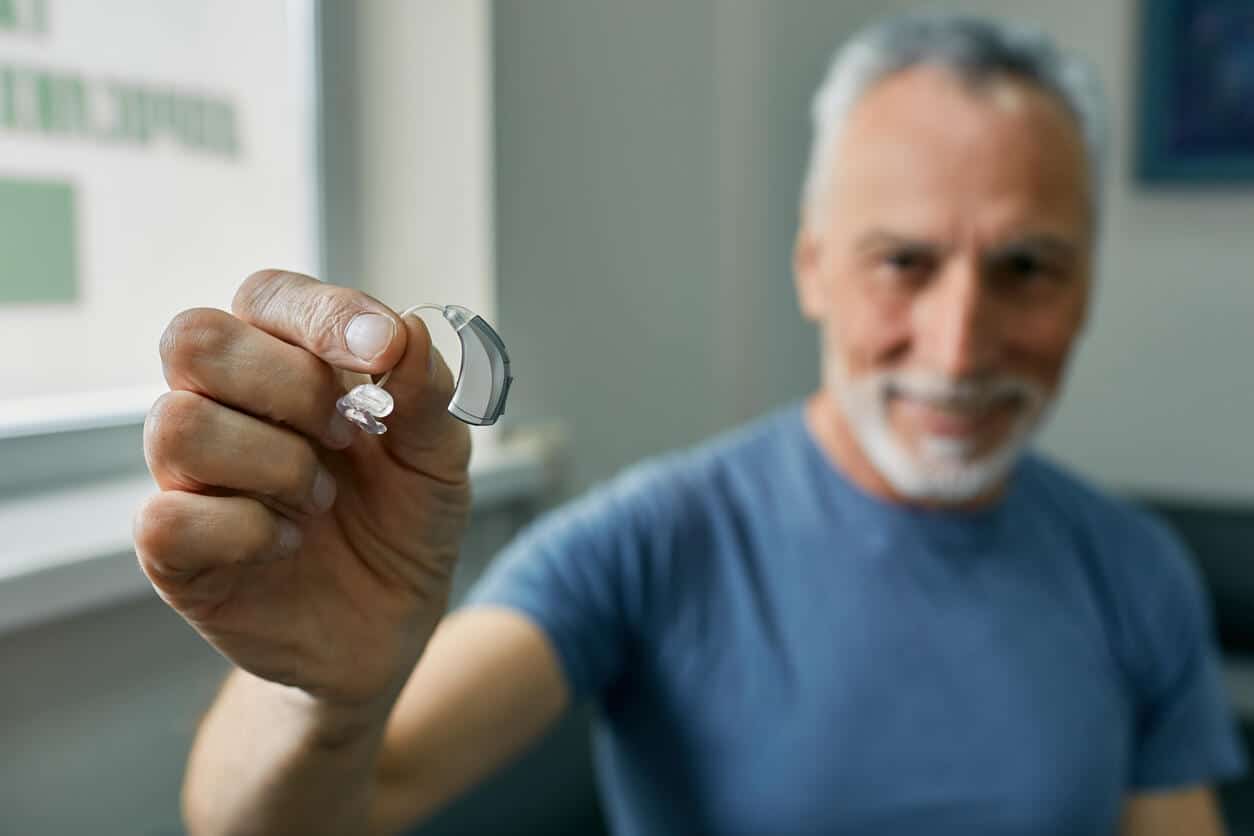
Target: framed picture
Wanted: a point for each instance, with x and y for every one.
(1196, 91)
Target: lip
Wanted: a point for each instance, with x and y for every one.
(935, 420)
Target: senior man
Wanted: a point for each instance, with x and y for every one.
(868, 613)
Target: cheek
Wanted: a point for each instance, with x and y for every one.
(1039, 345)
(866, 332)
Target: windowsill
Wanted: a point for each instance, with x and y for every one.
(48, 414)
(70, 550)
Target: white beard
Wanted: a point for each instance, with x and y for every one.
(942, 470)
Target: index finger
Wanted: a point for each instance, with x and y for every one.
(344, 327)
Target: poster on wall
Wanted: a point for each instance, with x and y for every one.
(1197, 91)
(152, 155)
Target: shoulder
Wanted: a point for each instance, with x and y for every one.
(678, 487)
(1145, 575)
(681, 482)
(1120, 529)
(742, 464)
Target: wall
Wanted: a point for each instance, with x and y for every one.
(406, 153)
(607, 223)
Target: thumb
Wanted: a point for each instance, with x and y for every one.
(344, 327)
(421, 432)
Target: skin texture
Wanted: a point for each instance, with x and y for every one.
(956, 239)
(356, 707)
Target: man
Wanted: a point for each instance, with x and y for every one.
(866, 614)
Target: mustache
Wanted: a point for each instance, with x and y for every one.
(963, 393)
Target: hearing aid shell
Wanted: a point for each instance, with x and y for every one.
(483, 380)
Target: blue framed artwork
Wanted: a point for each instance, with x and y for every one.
(1197, 91)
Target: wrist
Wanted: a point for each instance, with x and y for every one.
(327, 724)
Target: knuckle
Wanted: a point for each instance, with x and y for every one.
(297, 390)
(155, 528)
(192, 335)
(173, 419)
(316, 397)
(264, 535)
(325, 319)
(258, 291)
(296, 469)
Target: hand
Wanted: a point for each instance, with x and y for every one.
(306, 551)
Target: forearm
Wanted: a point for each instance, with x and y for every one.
(270, 760)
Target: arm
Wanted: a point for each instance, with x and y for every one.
(266, 754)
(1187, 736)
(1193, 811)
(486, 686)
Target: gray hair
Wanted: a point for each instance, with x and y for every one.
(977, 49)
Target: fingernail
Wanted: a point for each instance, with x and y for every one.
(340, 433)
(323, 494)
(369, 334)
(290, 538)
(431, 355)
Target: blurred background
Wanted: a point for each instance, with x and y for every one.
(615, 186)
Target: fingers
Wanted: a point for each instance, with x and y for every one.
(212, 353)
(178, 534)
(344, 327)
(272, 360)
(193, 443)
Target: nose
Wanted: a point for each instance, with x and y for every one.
(955, 328)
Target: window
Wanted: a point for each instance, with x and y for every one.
(151, 156)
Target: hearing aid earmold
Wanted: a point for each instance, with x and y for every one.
(483, 380)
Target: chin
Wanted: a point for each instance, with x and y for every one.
(935, 472)
(934, 469)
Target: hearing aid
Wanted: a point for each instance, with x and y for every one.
(483, 380)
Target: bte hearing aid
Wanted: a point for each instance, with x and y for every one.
(482, 382)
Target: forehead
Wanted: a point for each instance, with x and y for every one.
(933, 149)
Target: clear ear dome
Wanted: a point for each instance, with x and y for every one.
(364, 405)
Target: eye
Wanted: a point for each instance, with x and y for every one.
(904, 260)
(1023, 265)
(1022, 268)
(898, 265)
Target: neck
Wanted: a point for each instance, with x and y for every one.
(830, 429)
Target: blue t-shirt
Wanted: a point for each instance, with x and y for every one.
(774, 651)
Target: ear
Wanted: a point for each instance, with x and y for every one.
(807, 259)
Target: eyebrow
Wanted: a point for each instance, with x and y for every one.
(1046, 244)
(878, 239)
(1051, 246)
